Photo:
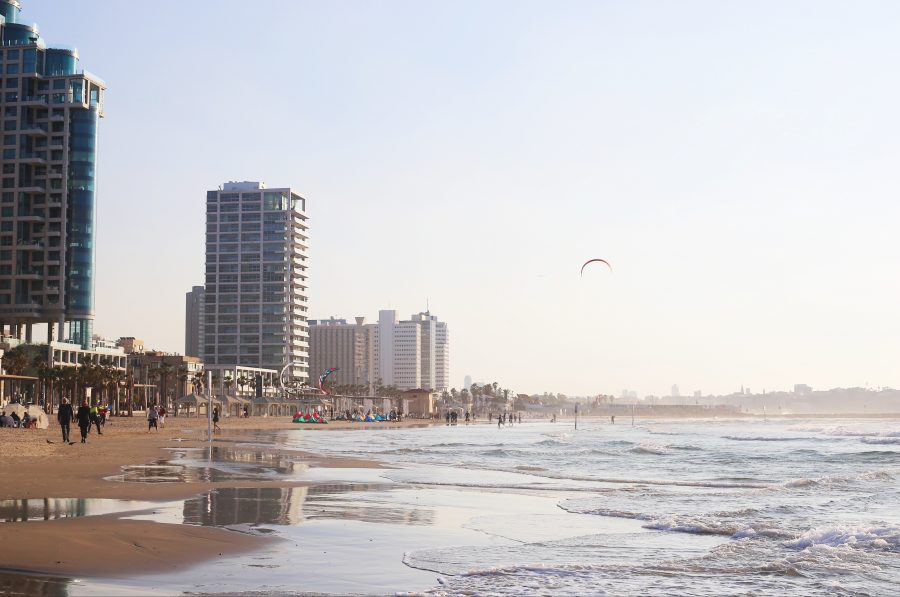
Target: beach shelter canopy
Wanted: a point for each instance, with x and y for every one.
(232, 400)
(196, 400)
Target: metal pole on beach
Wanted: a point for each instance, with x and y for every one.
(209, 406)
(576, 416)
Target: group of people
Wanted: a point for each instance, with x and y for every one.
(86, 416)
(14, 420)
(505, 419)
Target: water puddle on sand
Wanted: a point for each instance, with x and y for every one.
(211, 465)
(57, 508)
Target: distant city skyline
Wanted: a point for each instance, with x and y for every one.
(737, 171)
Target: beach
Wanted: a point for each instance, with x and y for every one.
(107, 545)
(662, 507)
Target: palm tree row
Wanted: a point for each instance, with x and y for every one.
(108, 384)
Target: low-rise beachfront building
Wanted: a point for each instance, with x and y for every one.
(161, 377)
(241, 381)
(71, 354)
(130, 344)
(419, 402)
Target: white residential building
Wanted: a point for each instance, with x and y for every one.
(412, 354)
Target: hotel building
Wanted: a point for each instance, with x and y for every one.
(255, 297)
(50, 111)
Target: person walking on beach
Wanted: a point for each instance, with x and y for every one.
(84, 420)
(162, 416)
(95, 418)
(216, 419)
(64, 415)
(152, 419)
(498, 421)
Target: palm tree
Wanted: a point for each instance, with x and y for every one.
(241, 382)
(228, 383)
(15, 362)
(129, 391)
(153, 377)
(165, 370)
(116, 377)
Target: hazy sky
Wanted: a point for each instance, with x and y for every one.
(736, 162)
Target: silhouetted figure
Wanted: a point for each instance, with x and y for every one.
(84, 420)
(64, 416)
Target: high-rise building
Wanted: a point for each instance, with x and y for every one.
(435, 351)
(413, 354)
(255, 301)
(348, 346)
(193, 321)
(50, 110)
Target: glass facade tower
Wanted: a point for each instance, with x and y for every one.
(255, 304)
(50, 112)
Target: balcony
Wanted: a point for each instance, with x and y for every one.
(30, 245)
(35, 273)
(32, 187)
(34, 100)
(33, 129)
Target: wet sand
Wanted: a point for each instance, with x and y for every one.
(39, 465)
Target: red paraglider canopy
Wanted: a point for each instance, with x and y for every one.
(592, 261)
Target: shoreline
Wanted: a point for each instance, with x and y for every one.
(111, 545)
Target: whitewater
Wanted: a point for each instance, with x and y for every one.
(677, 507)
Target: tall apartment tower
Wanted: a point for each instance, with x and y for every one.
(414, 353)
(193, 321)
(348, 346)
(50, 111)
(255, 302)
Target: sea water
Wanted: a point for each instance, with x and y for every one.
(713, 507)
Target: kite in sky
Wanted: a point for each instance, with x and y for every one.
(323, 377)
(594, 260)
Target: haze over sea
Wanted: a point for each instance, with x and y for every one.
(713, 507)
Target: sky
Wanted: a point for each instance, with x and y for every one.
(735, 162)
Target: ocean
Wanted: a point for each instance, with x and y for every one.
(711, 507)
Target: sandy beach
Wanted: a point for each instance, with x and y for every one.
(42, 467)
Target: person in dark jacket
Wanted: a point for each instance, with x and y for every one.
(64, 415)
(84, 420)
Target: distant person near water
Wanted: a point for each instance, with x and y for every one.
(64, 416)
(152, 419)
(612, 419)
(84, 420)
(216, 419)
